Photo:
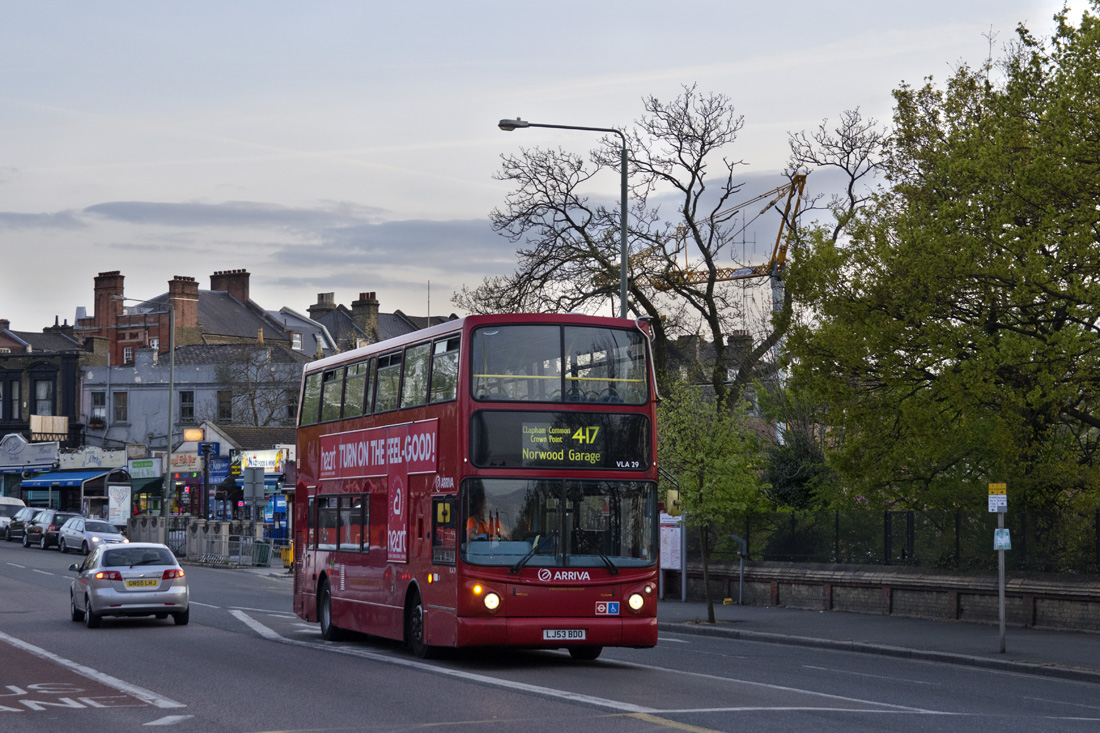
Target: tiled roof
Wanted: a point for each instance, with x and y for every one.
(250, 438)
(220, 314)
(340, 324)
(203, 354)
(41, 342)
(314, 334)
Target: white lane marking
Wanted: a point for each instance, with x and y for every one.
(1063, 702)
(205, 605)
(268, 611)
(133, 690)
(663, 640)
(170, 720)
(272, 635)
(780, 688)
(906, 680)
(43, 572)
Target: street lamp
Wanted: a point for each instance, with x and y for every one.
(510, 125)
(171, 393)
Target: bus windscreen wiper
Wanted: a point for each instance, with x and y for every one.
(606, 560)
(523, 560)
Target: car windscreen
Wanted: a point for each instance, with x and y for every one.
(9, 510)
(100, 527)
(131, 556)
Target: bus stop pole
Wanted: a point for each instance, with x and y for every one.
(1001, 582)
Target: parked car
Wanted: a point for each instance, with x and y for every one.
(83, 534)
(135, 579)
(42, 530)
(17, 525)
(9, 505)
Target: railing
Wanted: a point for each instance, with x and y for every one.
(233, 543)
(1057, 542)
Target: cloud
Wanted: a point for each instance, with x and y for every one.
(234, 214)
(59, 220)
(462, 245)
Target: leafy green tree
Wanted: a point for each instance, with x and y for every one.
(956, 337)
(712, 452)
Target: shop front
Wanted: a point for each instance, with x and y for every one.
(85, 491)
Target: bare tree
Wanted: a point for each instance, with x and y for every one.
(259, 387)
(570, 261)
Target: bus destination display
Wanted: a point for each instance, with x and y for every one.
(560, 440)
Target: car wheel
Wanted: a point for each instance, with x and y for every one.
(42, 542)
(61, 546)
(7, 534)
(84, 547)
(26, 539)
(329, 631)
(91, 618)
(77, 614)
(181, 619)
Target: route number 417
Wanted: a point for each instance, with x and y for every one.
(586, 435)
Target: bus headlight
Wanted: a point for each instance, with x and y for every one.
(635, 601)
(492, 601)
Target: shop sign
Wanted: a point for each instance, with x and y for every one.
(145, 468)
(271, 461)
(16, 454)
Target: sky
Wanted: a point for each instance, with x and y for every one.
(350, 146)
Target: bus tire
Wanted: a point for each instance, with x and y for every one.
(414, 628)
(329, 631)
(585, 653)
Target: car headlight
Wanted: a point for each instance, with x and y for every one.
(635, 601)
(492, 601)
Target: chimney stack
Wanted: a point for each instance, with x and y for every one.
(107, 285)
(183, 298)
(364, 314)
(326, 302)
(234, 282)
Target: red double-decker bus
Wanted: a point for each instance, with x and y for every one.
(491, 481)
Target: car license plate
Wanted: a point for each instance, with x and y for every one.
(563, 634)
(142, 583)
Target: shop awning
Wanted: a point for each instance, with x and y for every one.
(63, 478)
(146, 485)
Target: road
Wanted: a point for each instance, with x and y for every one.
(246, 663)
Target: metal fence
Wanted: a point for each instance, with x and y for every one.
(236, 543)
(1052, 542)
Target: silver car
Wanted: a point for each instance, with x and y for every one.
(135, 579)
(85, 534)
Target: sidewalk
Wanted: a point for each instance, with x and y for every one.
(1065, 654)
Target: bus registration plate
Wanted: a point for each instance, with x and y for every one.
(560, 634)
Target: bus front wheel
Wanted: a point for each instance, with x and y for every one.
(585, 653)
(329, 631)
(414, 629)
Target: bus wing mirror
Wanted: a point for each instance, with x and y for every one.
(672, 503)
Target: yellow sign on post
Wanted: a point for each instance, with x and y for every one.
(998, 498)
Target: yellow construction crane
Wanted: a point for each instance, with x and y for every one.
(689, 276)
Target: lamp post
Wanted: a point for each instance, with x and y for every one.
(171, 393)
(510, 125)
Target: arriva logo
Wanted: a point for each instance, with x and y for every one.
(546, 575)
